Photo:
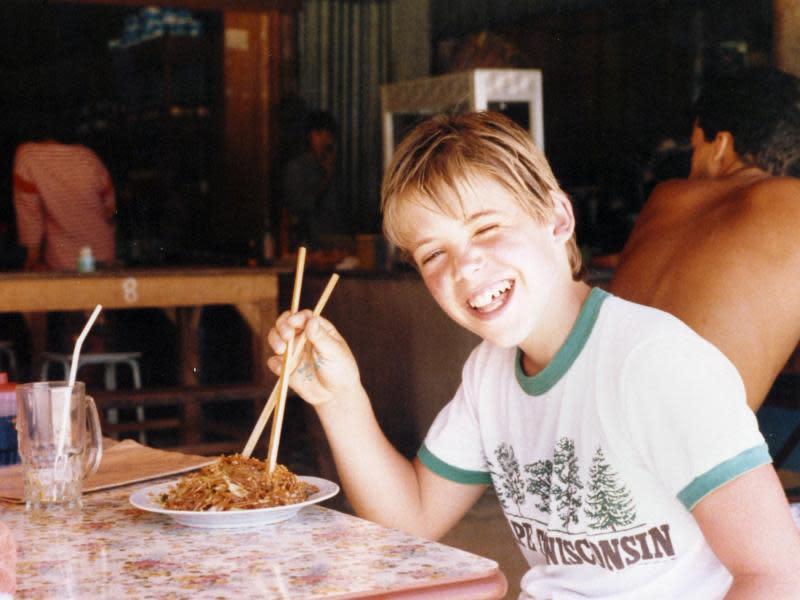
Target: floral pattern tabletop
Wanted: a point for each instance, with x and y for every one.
(113, 550)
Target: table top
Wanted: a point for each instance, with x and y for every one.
(113, 550)
(136, 288)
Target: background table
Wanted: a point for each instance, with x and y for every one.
(113, 550)
(181, 293)
(253, 291)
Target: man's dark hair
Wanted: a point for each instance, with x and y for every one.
(760, 108)
(320, 120)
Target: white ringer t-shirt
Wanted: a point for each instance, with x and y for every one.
(598, 459)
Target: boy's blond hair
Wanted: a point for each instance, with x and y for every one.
(446, 155)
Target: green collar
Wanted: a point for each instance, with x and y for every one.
(546, 378)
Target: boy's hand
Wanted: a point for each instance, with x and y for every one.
(326, 369)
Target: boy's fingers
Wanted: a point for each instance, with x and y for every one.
(298, 319)
(275, 341)
(286, 327)
(274, 363)
(323, 326)
(314, 333)
(323, 336)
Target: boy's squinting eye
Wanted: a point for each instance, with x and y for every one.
(429, 257)
(485, 229)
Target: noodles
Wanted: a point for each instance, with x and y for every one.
(236, 483)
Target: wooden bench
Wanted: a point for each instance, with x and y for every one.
(196, 431)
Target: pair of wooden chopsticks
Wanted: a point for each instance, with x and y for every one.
(291, 356)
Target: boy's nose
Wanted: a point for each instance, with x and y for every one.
(467, 263)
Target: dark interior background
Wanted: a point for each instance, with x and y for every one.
(619, 78)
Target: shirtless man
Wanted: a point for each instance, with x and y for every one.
(721, 249)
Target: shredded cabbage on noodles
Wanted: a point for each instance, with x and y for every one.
(236, 483)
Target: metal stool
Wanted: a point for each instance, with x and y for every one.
(10, 358)
(110, 361)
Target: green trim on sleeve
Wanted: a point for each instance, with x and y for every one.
(701, 486)
(450, 472)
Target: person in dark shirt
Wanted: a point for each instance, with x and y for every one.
(311, 196)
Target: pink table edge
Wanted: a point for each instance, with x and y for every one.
(489, 587)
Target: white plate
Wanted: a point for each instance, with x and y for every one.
(147, 499)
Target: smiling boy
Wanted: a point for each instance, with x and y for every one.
(617, 440)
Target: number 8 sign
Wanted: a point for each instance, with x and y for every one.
(130, 290)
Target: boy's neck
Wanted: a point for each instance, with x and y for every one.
(545, 342)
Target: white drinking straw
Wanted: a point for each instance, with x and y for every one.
(73, 370)
(73, 373)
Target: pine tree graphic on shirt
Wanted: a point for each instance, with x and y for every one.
(540, 474)
(566, 482)
(609, 503)
(512, 486)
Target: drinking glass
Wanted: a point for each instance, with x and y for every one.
(60, 442)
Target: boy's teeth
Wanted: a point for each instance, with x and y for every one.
(486, 296)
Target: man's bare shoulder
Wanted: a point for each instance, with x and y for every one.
(670, 203)
(703, 190)
(773, 203)
(779, 190)
(671, 191)
(673, 186)
(681, 198)
(769, 197)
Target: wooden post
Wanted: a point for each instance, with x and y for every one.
(786, 28)
(259, 50)
(188, 329)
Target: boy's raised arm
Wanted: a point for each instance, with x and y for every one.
(380, 483)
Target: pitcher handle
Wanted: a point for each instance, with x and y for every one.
(94, 453)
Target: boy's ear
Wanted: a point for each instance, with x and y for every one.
(563, 219)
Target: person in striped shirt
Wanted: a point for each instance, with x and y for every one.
(64, 200)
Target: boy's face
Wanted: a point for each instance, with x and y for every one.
(495, 270)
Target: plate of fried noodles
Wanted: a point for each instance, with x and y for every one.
(234, 491)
